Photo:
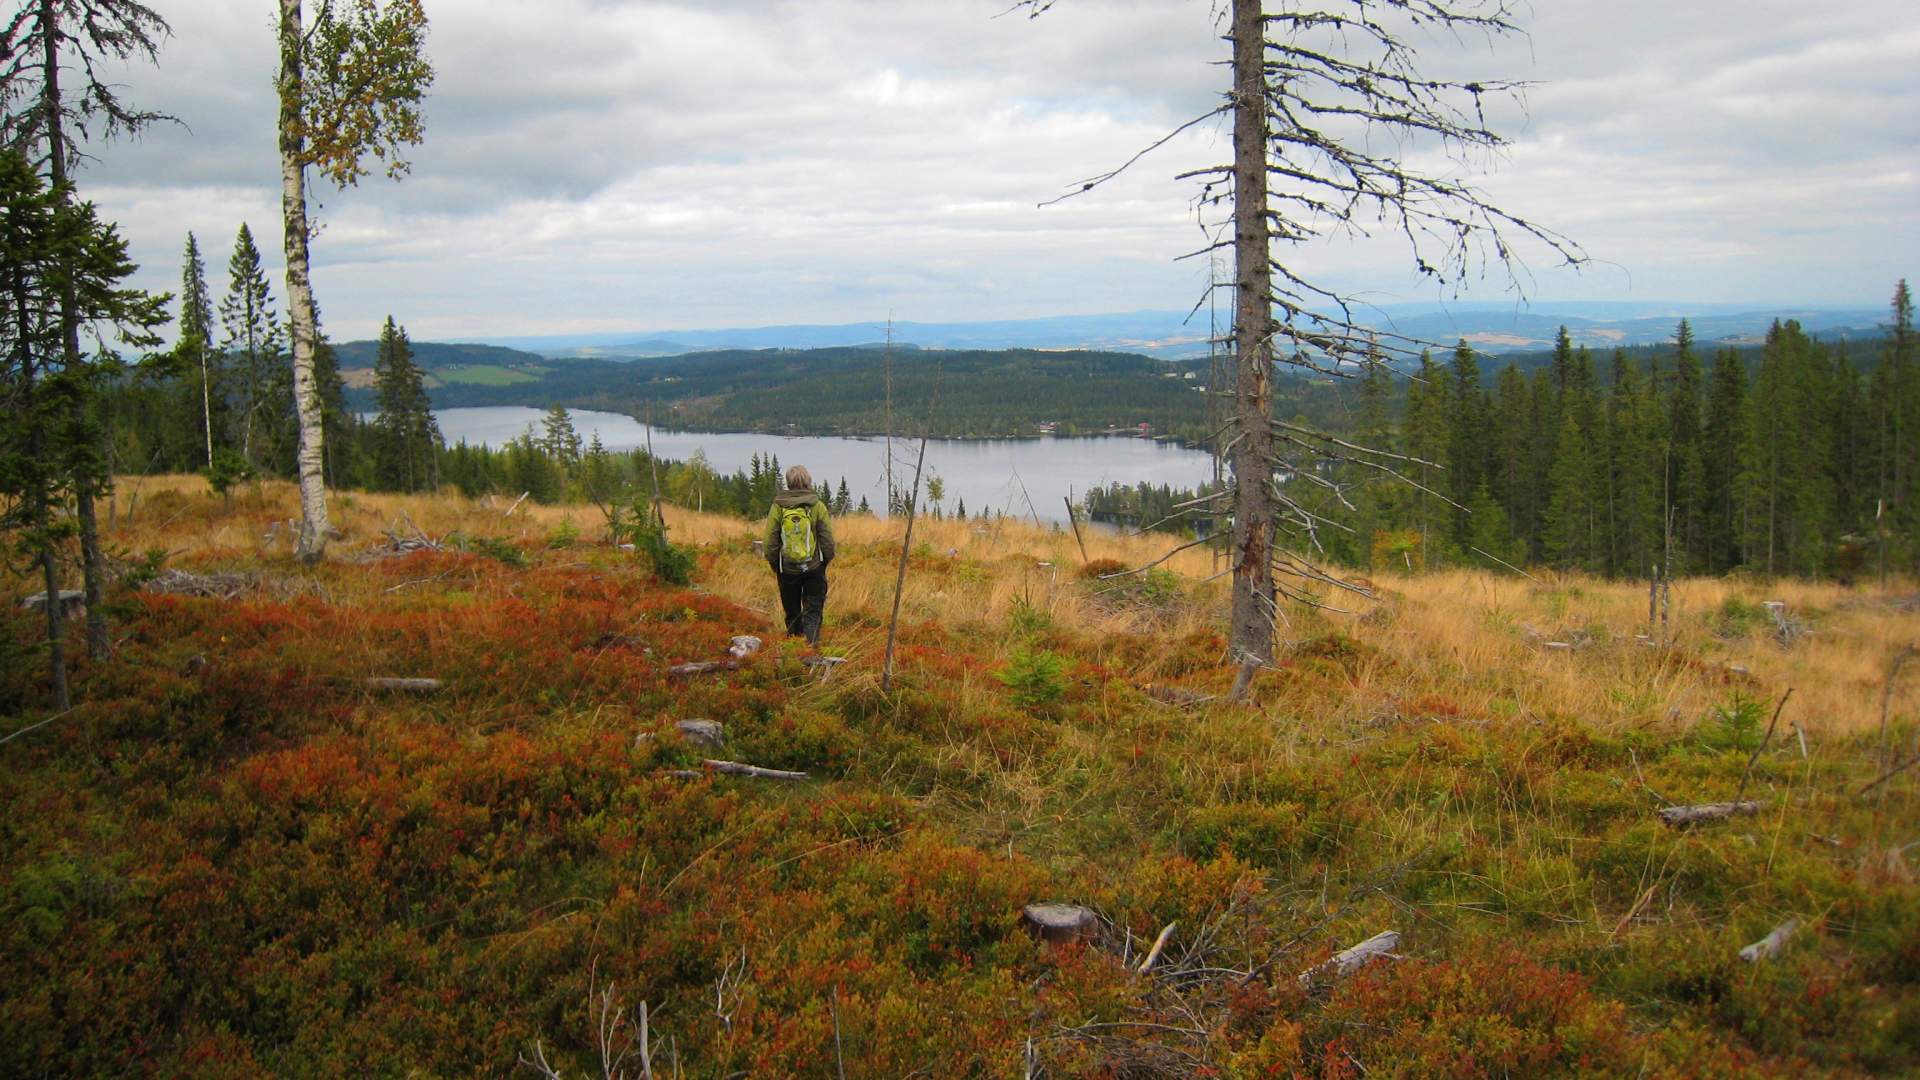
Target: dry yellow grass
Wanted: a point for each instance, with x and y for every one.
(1465, 640)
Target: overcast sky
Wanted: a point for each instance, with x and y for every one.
(603, 165)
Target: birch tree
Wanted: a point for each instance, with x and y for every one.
(350, 87)
(1321, 98)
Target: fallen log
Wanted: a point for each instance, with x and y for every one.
(72, 601)
(1682, 816)
(735, 768)
(1769, 947)
(1347, 961)
(406, 686)
(1058, 924)
(701, 667)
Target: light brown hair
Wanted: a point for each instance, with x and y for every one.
(799, 479)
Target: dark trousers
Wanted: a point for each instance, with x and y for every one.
(803, 597)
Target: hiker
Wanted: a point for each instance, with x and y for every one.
(799, 547)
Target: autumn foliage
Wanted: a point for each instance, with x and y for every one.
(234, 858)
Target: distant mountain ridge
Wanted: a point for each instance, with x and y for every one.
(1490, 327)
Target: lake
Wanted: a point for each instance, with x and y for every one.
(1009, 475)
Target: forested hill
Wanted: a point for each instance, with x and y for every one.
(844, 390)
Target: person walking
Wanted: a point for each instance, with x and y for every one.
(799, 547)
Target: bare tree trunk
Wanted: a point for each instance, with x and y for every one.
(1250, 429)
(93, 567)
(300, 310)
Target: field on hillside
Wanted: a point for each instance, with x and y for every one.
(235, 857)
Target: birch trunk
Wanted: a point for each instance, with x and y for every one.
(1250, 429)
(300, 311)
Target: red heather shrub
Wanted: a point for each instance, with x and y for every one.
(1493, 1014)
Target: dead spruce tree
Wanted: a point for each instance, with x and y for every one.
(1330, 103)
(350, 86)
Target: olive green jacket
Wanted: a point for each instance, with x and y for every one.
(822, 530)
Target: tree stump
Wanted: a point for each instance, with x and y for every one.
(706, 734)
(1058, 924)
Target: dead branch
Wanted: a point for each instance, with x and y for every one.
(735, 768)
(405, 686)
(1159, 944)
(1683, 816)
(1769, 947)
(701, 667)
(1890, 774)
(1347, 961)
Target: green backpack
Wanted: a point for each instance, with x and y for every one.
(797, 550)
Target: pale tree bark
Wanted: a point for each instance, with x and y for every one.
(1249, 428)
(300, 307)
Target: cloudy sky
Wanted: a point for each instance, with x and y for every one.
(613, 165)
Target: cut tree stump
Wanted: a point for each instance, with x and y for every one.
(1347, 961)
(406, 686)
(743, 646)
(1682, 816)
(1769, 947)
(1058, 924)
(706, 734)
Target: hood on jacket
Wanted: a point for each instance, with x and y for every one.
(796, 498)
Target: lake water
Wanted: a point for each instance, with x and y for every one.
(1009, 475)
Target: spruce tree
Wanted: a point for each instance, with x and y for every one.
(1571, 507)
(58, 263)
(408, 436)
(1429, 436)
(1724, 440)
(559, 439)
(1685, 463)
(1468, 449)
(196, 340)
(252, 339)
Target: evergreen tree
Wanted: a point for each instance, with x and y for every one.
(1685, 457)
(408, 437)
(1571, 509)
(196, 342)
(252, 341)
(1491, 532)
(1894, 437)
(1635, 464)
(58, 262)
(560, 441)
(843, 500)
(1725, 438)
(1468, 436)
(1428, 437)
